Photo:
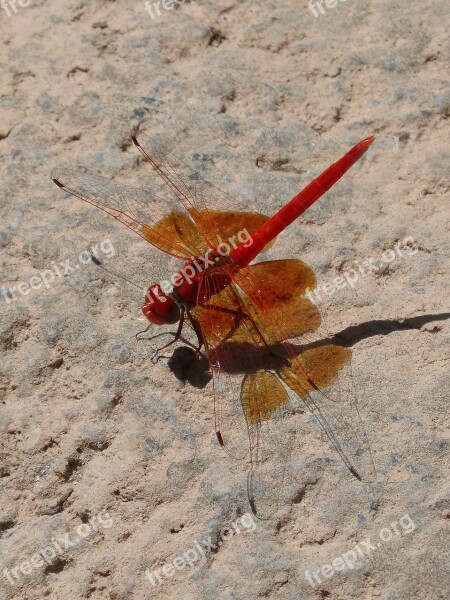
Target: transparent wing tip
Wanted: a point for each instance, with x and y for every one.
(58, 183)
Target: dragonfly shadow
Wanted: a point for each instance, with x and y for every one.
(352, 335)
(242, 357)
(189, 368)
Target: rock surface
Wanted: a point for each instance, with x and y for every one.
(116, 457)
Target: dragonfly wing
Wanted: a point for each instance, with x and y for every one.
(168, 228)
(220, 322)
(322, 377)
(160, 221)
(318, 369)
(234, 226)
(277, 291)
(272, 430)
(247, 392)
(198, 196)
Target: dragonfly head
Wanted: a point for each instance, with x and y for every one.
(159, 308)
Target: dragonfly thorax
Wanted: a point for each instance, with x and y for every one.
(189, 285)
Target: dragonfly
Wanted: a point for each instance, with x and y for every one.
(262, 335)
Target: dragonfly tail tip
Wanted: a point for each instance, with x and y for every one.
(367, 142)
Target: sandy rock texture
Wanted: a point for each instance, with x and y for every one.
(109, 466)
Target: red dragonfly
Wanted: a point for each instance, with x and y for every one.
(254, 321)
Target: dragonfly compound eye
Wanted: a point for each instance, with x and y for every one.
(159, 308)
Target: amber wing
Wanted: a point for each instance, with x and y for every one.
(267, 367)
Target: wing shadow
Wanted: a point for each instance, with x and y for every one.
(195, 371)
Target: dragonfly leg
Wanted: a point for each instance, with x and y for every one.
(176, 337)
(236, 313)
(198, 332)
(143, 331)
